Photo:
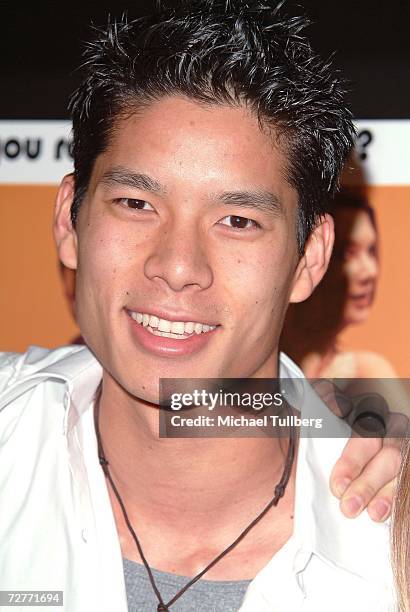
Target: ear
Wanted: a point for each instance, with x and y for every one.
(64, 232)
(315, 260)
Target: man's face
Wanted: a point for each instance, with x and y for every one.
(188, 219)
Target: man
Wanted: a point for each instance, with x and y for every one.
(206, 143)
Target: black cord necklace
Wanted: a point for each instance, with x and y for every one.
(279, 492)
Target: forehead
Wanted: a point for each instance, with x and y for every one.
(354, 226)
(176, 139)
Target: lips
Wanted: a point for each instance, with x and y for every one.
(362, 299)
(172, 328)
(182, 337)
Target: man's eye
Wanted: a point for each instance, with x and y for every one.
(134, 204)
(238, 222)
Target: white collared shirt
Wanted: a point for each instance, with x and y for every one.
(57, 530)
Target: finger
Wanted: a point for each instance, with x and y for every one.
(379, 472)
(357, 453)
(380, 507)
(397, 427)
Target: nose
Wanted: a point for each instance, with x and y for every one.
(178, 258)
(369, 267)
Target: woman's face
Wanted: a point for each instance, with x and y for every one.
(356, 241)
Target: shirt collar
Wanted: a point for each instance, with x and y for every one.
(74, 367)
(319, 527)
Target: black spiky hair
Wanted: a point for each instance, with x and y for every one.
(219, 52)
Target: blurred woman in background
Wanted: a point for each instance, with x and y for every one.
(344, 297)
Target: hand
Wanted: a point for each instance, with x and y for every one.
(365, 477)
(365, 474)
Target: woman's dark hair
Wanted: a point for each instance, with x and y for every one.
(353, 199)
(235, 52)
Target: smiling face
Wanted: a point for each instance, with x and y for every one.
(185, 247)
(356, 240)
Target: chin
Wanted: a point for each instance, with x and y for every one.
(356, 316)
(148, 394)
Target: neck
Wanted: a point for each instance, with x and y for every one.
(165, 478)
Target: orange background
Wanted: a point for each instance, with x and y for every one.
(387, 331)
(34, 310)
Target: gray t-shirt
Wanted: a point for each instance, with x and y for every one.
(204, 595)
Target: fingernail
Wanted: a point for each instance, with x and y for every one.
(341, 486)
(353, 505)
(382, 509)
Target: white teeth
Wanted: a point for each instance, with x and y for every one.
(170, 329)
(177, 327)
(165, 335)
(164, 326)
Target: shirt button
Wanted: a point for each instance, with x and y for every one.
(84, 535)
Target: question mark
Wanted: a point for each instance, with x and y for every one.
(364, 138)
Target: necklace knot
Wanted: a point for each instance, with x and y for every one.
(280, 491)
(104, 464)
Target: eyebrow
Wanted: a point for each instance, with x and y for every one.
(258, 199)
(127, 178)
(264, 201)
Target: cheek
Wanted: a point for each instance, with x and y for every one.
(105, 248)
(102, 269)
(258, 287)
(350, 270)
